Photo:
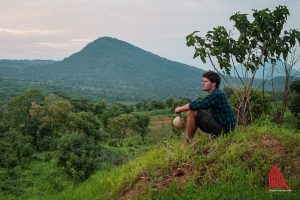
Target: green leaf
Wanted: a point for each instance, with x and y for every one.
(203, 58)
(196, 54)
(190, 41)
(252, 67)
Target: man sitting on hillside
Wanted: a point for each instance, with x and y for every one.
(218, 119)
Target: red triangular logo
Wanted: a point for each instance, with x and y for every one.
(276, 180)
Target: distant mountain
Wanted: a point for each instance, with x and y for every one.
(112, 69)
(260, 73)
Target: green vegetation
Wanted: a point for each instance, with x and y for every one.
(260, 104)
(229, 167)
(50, 143)
(294, 102)
(52, 148)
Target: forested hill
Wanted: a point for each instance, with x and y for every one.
(112, 69)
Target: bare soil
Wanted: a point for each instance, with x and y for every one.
(178, 175)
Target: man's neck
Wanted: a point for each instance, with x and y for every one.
(211, 90)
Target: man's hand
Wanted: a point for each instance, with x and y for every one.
(178, 110)
(182, 108)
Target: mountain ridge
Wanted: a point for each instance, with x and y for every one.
(108, 65)
(109, 68)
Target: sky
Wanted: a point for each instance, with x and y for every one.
(55, 29)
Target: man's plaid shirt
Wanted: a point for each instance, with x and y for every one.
(219, 108)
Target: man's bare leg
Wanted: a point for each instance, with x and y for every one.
(191, 126)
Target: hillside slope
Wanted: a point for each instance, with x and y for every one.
(229, 167)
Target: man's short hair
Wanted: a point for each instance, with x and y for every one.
(213, 77)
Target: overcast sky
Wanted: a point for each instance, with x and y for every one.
(55, 29)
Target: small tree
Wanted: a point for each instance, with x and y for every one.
(258, 42)
(15, 149)
(85, 122)
(99, 107)
(50, 118)
(141, 125)
(80, 104)
(110, 112)
(78, 155)
(18, 114)
(119, 126)
(290, 71)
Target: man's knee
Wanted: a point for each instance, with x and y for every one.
(192, 113)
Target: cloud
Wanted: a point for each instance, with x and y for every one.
(54, 45)
(64, 45)
(31, 31)
(82, 40)
(55, 29)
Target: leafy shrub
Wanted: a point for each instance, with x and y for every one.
(113, 143)
(78, 155)
(98, 108)
(294, 105)
(85, 122)
(47, 143)
(259, 103)
(113, 111)
(295, 99)
(140, 125)
(15, 149)
(119, 126)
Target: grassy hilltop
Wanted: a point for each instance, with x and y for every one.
(235, 166)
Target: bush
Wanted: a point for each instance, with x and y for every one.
(113, 111)
(78, 155)
(140, 125)
(47, 143)
(260, 104)
(294, 105)
(85, 122)
(113, 143)
(295, 98)
(15, 149)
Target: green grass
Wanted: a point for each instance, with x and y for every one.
(101, 186)
(41, 177)
(229, 167)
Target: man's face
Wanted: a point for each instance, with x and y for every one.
(207, 85)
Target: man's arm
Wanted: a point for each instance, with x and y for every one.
(182, 108)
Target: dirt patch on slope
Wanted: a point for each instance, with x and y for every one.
(178, 175)
(159, 122)
(272, 144)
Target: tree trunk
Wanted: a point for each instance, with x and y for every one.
(284, 99)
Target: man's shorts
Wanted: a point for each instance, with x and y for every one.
(206, 122)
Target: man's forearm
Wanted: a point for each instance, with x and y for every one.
(182, 108)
